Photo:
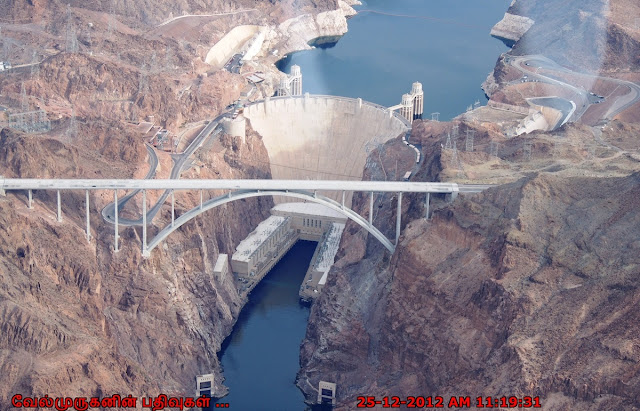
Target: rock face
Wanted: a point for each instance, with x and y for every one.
(510, 291)
(79, 320)
(590, 35)
(511, 28)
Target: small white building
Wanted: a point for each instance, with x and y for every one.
(204, 385)
(221, 269)
(326, 393)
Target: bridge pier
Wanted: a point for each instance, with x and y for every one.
(173, 209)
(59, 207)
(454, 193)
(30, 202)
(86, 201)
(398, 218)
(145, 252)
(342, 198)
(426, 206)
(116, 236)
(371, 209)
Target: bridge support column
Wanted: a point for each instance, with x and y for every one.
(173, 209)
(59, 207)
(426, 206)
(398, 218)
(86, 201)
(30, 203)
(145, 253)
(115, 201)
(200, 199)
(342, 198)
(371, 209)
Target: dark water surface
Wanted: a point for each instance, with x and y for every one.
(260, 358)
(451, 53)
(448, 49)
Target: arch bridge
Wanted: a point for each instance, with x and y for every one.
(239, 189)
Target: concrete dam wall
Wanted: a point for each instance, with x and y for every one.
(322, 137)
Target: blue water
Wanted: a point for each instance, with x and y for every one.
(260, 358)
(377, 60)
(449, 51)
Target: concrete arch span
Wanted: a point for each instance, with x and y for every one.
(241, 194)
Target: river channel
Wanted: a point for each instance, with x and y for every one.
(448, 48)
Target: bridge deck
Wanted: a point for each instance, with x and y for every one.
(172, 184)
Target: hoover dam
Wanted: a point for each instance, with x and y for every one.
(322, 137)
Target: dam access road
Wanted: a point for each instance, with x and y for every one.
(538, 68)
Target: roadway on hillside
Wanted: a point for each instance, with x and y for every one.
(179, 160)
(530, 66)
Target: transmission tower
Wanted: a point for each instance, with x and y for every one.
(70, 33)
(89, 43)
(493, 148)
(143, 83)
(112, 20)
(526, 150)
(448, 144)
(435, 116)
(72, 131)
(35, 65)
(134, 112)
(24, 106)
(456, 164)
(6, 49)
(454, 131)
(168, 58)
(153, 65)
(469, 140)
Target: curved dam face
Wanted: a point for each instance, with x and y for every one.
(322, 137)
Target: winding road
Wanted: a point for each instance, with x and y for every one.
(179, 162)
(530, 66)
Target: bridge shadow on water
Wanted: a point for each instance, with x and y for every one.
(260, 359)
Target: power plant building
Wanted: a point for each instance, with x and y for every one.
(261, 246)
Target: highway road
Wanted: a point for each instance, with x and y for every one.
(209, 184)
(529, 66)
(179, 160)
(153, 166)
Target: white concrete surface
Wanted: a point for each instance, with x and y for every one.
(321, 137)
(206, 184)
(230, 44)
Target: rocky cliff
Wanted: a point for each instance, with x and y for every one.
(77, 319)
(509, 292)
(529, 288)
(593, 35)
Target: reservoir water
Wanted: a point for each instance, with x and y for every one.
(445, 45)
(450, 51)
